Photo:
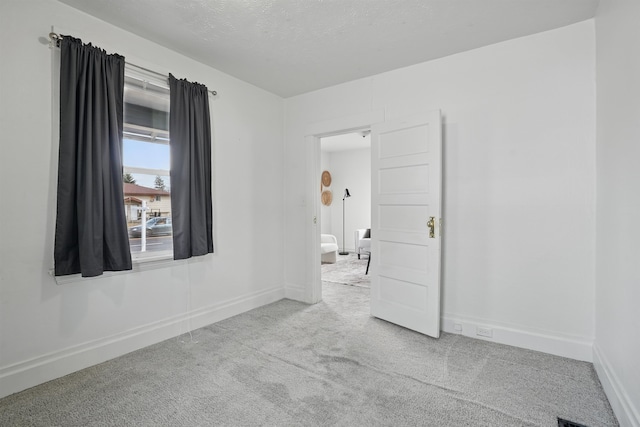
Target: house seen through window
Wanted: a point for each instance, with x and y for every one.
(146, 181)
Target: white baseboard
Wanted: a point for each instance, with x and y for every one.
(627, 413)
(22, 375)
(296, 293)
(579, 349)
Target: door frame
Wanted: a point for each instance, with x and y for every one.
(315, 131)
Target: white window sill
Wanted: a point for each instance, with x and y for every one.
(140, 262)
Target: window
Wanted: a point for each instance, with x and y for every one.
(142, 157)
(147, 184)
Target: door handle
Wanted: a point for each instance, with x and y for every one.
(432, 227)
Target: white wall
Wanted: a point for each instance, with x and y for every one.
(48, 330)
(519, 186)
(617, 347)
(326, 223)
(350, 169)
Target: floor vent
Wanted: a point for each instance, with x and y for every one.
(565, 423)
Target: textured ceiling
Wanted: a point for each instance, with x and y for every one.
(290, 47)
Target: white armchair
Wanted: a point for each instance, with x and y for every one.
(328, 248)
(363, 241)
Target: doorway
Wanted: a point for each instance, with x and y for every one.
(406, 161)
(315, 132)
(345, 210)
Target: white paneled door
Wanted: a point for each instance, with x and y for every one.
(406, 187)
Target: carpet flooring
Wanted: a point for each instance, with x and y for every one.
(348, 270)
(291, 364)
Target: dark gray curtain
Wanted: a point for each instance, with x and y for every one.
(91, 228)
(190, 147)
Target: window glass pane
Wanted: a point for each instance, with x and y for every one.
(147, 185)
(148, 204)
(145, 154)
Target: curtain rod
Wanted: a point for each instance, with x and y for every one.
(55, 39)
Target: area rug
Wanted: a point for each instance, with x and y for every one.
(347, 270)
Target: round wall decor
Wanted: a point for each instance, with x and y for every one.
(327, 197)
(326, 178)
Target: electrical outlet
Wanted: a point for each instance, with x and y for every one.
(484, 332)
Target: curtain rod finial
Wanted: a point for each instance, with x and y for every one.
(54, 39)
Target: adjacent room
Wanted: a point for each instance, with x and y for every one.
(494, 175)
(345, 212)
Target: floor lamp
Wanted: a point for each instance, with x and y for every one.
(346, 194)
